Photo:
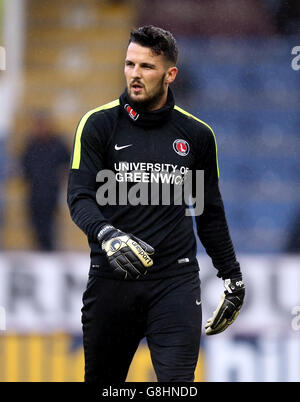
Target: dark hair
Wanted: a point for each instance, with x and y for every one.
(157, 39)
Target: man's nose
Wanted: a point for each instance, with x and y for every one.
(136, 73)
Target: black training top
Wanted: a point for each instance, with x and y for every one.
(148, 147)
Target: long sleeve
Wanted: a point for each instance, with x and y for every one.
(212, 225)
(87, 160)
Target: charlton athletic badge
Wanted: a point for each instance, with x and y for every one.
(181, 147)
(132, 113)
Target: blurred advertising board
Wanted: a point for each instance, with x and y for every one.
(41, 295)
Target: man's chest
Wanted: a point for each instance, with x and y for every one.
(149, 165)
(163, 149)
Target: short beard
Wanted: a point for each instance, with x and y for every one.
(149, 103)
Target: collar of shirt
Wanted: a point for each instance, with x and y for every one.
(146, 118)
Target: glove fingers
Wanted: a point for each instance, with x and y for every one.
(127, 255)
(139, 254)
(226, 310)
(145, 246)
(149, 249)
(217, 322)
(118, 271)
(225, 314)
(123, 261)
(213, 329)
(220, 328)
(235, 314)
(134, 270)
(129, 261)
(135, 263)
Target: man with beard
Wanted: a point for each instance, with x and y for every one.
(143, 278)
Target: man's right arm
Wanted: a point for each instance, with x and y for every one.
(128, 255)
(87, 160)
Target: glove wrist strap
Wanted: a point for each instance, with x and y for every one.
(233, 284)
(104, 232)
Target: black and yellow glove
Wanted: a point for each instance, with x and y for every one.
(128, 255)
(228, 308)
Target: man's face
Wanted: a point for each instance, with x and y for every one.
(147, 76)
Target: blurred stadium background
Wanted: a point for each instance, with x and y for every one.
(237, 74)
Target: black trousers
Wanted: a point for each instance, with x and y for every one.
(116, 315)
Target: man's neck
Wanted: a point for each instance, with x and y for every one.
(160, 103)
(156, 105)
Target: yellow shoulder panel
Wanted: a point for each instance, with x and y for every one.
(203, 122)
(77, 143)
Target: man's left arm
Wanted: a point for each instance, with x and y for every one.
(213, 232)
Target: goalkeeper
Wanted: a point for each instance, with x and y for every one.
(144, 274)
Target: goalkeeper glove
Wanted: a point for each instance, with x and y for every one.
(127, 254)
(228, 308)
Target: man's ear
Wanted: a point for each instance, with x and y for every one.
(171, 74)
